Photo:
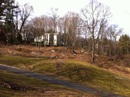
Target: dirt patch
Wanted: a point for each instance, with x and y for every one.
(51, 52)
(16, 87)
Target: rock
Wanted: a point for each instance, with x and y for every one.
(9, 51)
(82, 51)
(53, 51)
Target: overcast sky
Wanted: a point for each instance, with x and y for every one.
(120, 9)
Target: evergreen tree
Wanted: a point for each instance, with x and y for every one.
(124, 43)
(10, 14)
(7, 15)
(1, 8)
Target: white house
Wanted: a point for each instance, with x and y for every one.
(46, 39)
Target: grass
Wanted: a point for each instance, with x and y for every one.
(76, 71)
(13, 85)
(18, 61)
(87, 75)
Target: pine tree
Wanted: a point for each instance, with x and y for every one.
(7, 14)
(124, 43)
(2, 8)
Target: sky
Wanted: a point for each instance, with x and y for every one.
(120, 9)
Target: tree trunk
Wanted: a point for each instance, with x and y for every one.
(93, 48)
(93, 52)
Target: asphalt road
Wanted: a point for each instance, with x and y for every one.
(54, 80)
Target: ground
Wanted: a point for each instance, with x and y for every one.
(113, 64)
(58, 54)
(31, 51)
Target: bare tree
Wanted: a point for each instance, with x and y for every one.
(65, 29)
(102, 43)
(86, 35)
(60, 32)
(37, 28)
(113, 32)
(27, 33)
(47, 22)
(54, 16)
(71, 28)
(95, 15)
(25, 13)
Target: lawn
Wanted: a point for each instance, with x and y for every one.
(86, 74)
(75, 71)
(13, 85)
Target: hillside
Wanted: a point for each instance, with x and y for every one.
(113, 64)
(20, 86)
(106, 74)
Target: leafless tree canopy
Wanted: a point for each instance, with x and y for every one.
(90, 30)
(95, 15)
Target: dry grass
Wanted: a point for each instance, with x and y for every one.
(111, 71)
